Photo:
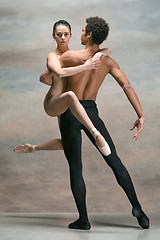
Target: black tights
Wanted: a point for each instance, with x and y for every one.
(71, 137)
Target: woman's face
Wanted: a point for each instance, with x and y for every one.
(62, 35)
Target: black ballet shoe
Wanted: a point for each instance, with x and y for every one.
(142, 218)
(78, 224)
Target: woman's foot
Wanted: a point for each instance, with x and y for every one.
(78, 224)
(27, 148)
(101, 142)
(142, 218)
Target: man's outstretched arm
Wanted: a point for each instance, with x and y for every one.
(122, 80)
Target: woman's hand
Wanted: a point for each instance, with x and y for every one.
(139, 123)
(92, 63)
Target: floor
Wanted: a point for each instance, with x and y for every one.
(46, 226)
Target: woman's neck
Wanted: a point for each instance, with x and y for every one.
(62, 49)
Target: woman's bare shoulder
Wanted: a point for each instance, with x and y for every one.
(53, 54)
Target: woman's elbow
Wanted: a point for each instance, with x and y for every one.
(58, 72)
(61, 75)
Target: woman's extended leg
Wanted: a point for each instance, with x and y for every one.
(55, 144)
(60, 103)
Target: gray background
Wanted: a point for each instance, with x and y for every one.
(39, 182)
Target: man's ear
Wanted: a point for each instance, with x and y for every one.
(89, 35)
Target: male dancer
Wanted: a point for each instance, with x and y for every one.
(86, 85)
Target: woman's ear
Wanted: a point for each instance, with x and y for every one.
(53, 36)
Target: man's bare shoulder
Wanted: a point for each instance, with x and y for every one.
(109, 62)
(71, 58)
(71, 53)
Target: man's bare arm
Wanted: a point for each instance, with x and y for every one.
(122, 80)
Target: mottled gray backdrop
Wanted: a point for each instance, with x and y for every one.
(39, 182)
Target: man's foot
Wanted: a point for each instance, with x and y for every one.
(142, 218)
(27, 148)
(78, 224)
(101, 143)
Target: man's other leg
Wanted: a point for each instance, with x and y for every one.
(119, 170)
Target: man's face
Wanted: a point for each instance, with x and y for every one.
(84, 38)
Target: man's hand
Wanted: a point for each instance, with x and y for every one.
(139, 124)
(46, 77)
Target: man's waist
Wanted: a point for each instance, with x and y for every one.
(88, 103)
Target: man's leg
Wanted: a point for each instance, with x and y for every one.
(120, 172)
(71, 139)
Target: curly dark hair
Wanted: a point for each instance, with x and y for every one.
(61, 22)
(99, 29)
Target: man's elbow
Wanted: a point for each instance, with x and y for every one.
(127, 87)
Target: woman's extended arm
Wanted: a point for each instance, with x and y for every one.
(53, 65)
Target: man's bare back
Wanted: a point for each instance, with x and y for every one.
(85, 84)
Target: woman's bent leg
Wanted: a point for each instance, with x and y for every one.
(59, 105)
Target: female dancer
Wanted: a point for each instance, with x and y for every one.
(57, 100)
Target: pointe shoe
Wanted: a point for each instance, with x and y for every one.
(105, 150)
(27, 148)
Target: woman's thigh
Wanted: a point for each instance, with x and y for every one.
(56, 105)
